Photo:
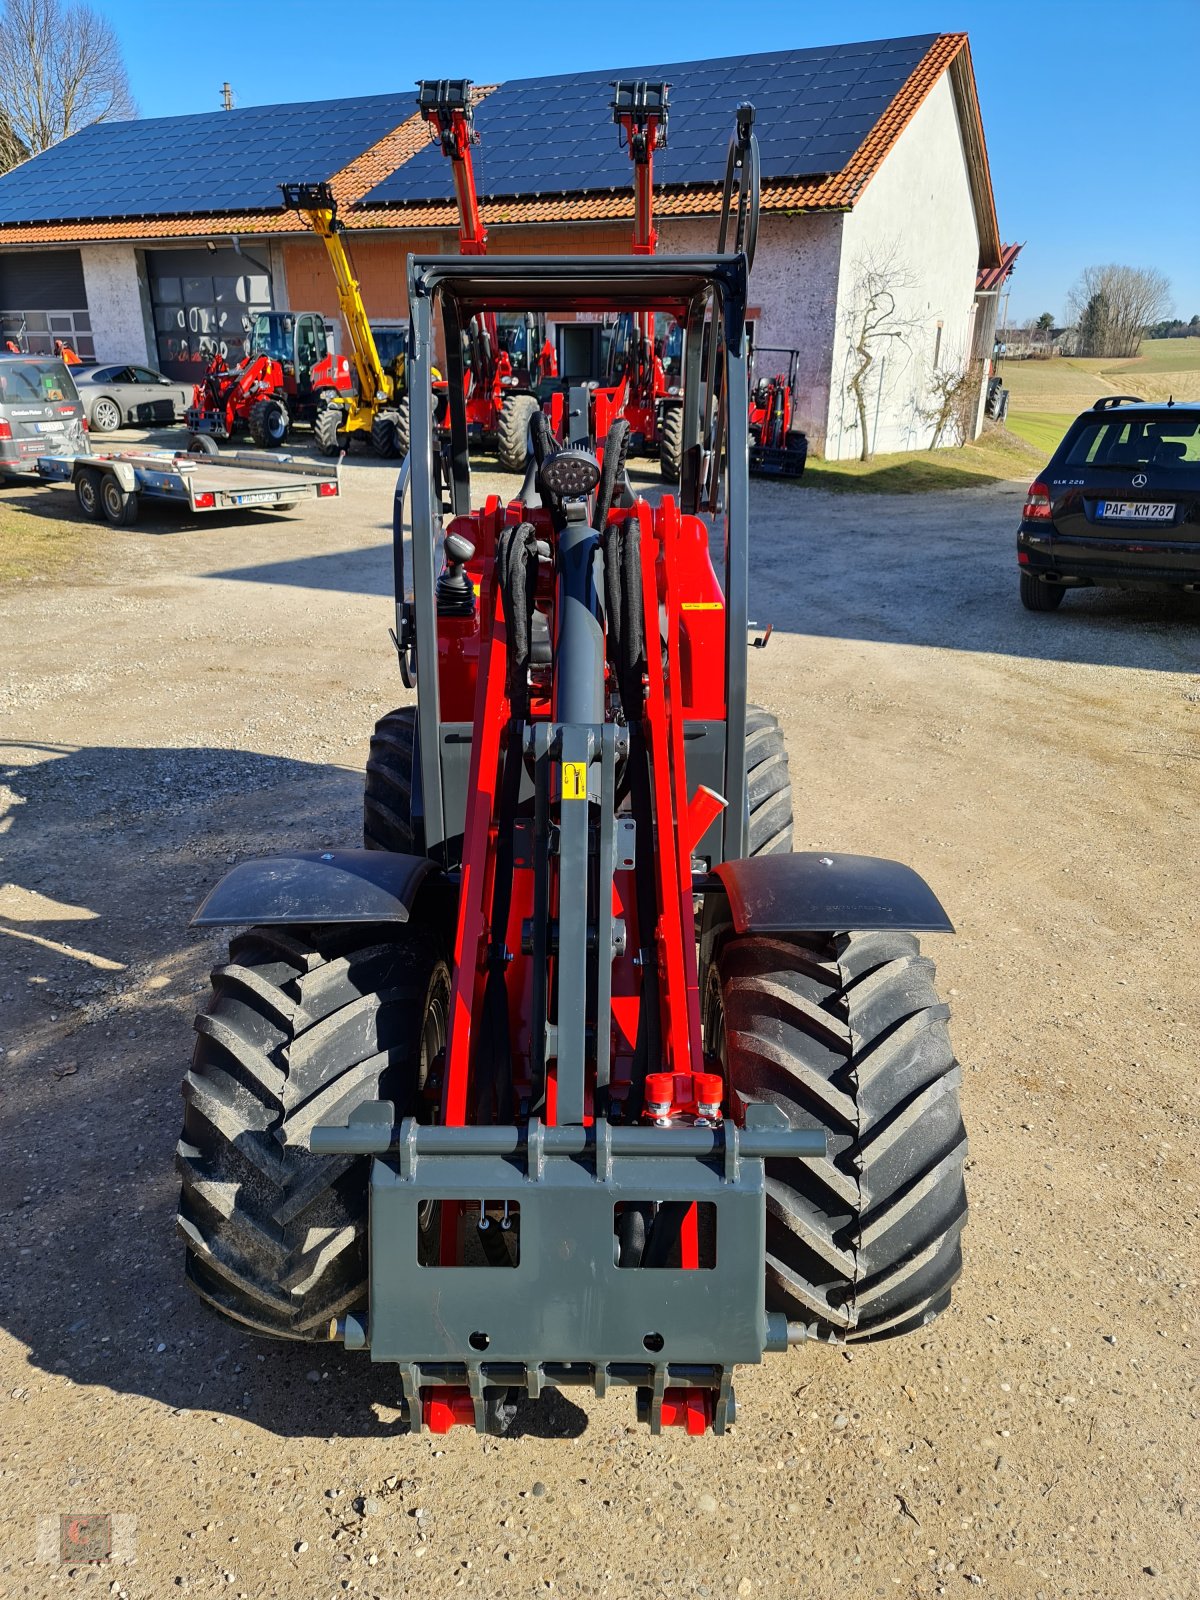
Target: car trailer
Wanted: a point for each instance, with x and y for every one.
(112, 485)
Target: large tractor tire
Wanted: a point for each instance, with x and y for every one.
(329, 430)
(403, 423)
(670, 444)
(844, 1031)
(768, 784)
(388, 822)
(512, 432)
(385, 439)
(303, 1026)
(268, 423)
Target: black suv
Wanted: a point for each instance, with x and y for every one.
(1119, 504)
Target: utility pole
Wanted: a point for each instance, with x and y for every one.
(226, 97)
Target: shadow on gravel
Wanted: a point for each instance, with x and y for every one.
(939, 571)
(104, 854)
(934, 571)
(366, 571)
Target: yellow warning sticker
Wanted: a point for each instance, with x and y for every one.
(574, 780)
(702, 605)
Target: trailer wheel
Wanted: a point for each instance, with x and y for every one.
(120, 506)
(329, 430)
(512, 431)
(303, 1026)
(670, 444)
(845, 1032)
(388, 822)
(385, 434)
(202, 444)
(268, 424)
(1038, 595)
(87, 493)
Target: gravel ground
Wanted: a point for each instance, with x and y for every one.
(208, 693)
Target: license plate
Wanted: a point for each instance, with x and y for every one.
(1136, 510)
(265, 498)
(50, 427)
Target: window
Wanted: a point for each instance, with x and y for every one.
(1132, 442)
(35, 381)
(34, 332)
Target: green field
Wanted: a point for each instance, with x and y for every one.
(1046, 396)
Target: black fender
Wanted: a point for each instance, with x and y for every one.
(317, 886)
(812, 892)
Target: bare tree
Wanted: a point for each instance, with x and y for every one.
(61, 68)
(953, 398)
(873, 323)
(1112, 306)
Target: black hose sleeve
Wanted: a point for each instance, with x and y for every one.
(616, 448)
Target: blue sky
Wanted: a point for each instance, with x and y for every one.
(1089, 109)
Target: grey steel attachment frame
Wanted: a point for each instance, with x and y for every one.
(566, 1312)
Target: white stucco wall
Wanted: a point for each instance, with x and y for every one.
(793, 298)
(919, 211)
(118, 301)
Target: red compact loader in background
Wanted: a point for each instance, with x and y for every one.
(508, 356)
(636, 386)
(576, 1074)
(289, 374)
(777, 449)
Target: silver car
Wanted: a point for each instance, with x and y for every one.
(40, 413)
(139, 396)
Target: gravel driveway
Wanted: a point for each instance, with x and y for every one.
(209, 693)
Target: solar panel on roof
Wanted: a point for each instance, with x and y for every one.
(554, 135)
(216, 161)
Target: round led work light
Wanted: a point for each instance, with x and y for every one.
(571, 474)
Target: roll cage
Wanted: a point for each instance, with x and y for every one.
(690, 288)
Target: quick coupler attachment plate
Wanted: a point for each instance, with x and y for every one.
(559, 1307)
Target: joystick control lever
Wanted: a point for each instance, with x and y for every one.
(455, 592)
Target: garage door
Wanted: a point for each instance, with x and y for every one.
(42, 299)
(204, 303)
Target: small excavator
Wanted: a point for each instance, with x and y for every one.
(379, 411)
(508, 356)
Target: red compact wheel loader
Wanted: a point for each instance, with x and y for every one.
(229, 401)
(777, 450)
(577, 1074)
(289, 374)
(508, 356)
(636, 385)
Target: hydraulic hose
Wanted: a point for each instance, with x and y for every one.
(517, 570)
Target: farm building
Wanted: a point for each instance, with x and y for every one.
(877, 206)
